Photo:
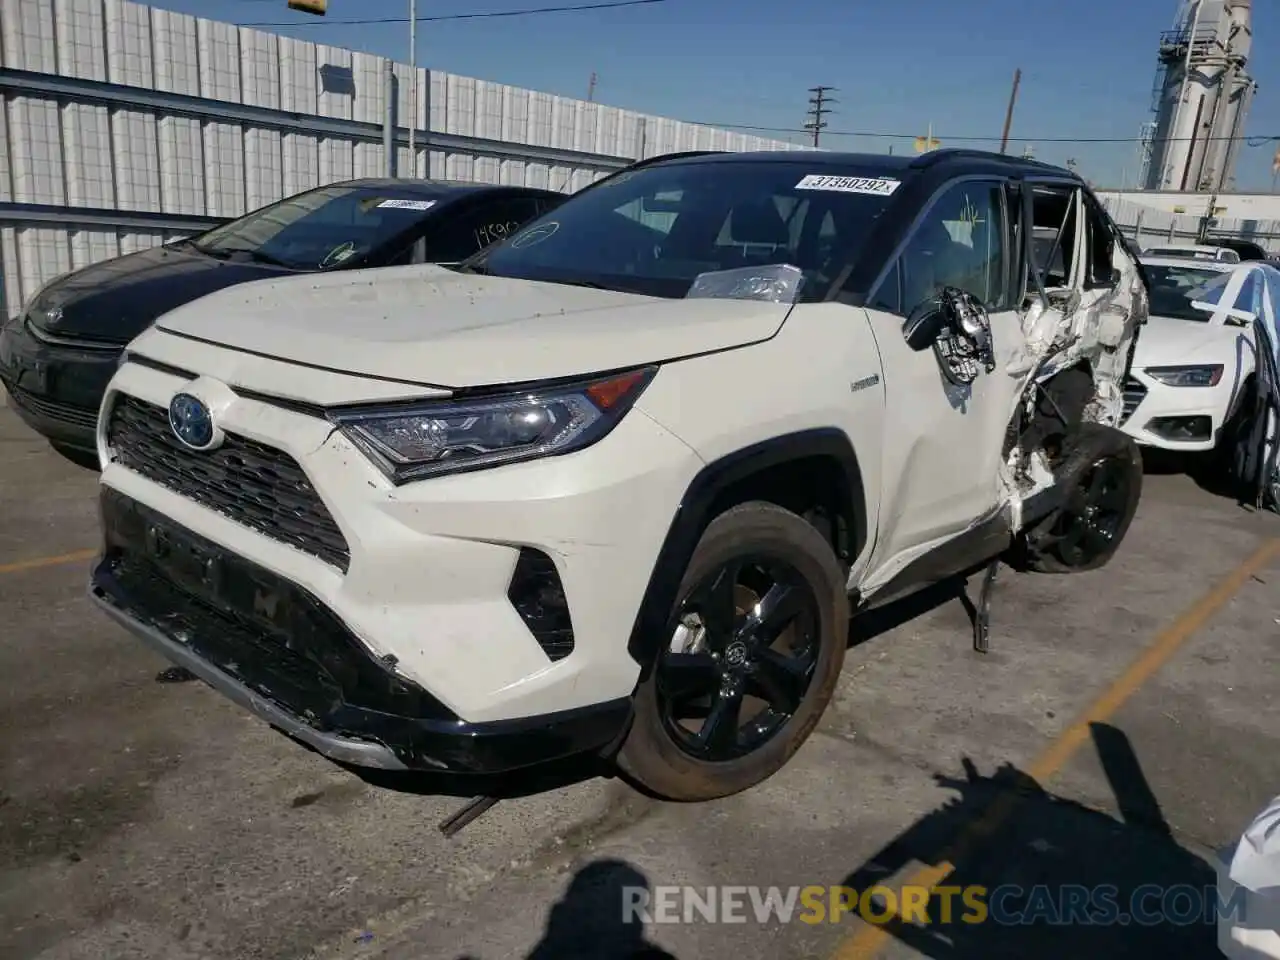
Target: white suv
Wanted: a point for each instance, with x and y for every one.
(618, 483)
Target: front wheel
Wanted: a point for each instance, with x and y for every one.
(755, 646)
(1100, 474)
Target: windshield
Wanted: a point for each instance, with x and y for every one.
(1173, 289)
(655, 230)
(319, 229)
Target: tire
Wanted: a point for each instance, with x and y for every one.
(1223, 461)
(1075, 539)
(660, 754)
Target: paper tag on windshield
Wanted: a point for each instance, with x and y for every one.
(877, 186)
(408, 204)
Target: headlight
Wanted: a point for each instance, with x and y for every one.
(451, 436)
(1199, 375)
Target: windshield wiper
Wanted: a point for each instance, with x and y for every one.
(257, 256)
(590, 284)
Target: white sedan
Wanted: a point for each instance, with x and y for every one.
(1194, 365)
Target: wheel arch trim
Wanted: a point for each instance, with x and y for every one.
(695, 512)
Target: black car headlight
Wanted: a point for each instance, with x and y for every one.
(451, 436)
(1188, 375)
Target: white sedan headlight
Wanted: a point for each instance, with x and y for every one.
(1191, 375)
(469, 433)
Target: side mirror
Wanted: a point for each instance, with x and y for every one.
(924, 323)
(1116, 276)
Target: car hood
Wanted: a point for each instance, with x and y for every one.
(429, 326)
(1168, 341)
(115, 300)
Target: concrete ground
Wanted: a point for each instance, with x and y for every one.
(139, 819)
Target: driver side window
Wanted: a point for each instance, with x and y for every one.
(960, 242)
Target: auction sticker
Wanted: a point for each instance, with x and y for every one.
(408, 204)
(877, 186)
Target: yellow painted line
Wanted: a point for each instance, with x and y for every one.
(39, 562)
(866, 942)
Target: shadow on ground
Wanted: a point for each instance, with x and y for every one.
(1059, 878)
(588, 923)
(1206, 470)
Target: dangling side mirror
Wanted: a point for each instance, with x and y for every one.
(924, 323)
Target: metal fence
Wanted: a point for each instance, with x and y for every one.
(123, 126)
(1148, 226)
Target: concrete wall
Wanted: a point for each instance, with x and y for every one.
(122, 126)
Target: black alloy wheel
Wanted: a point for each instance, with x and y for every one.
(750, 660)
(1094, 514)
(1100, 476)
(747, 644)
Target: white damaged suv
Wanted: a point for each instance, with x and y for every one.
(617, 484)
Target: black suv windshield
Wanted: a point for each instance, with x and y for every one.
(319, 229)
(654, 230)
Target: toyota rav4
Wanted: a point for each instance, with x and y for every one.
(618, 483)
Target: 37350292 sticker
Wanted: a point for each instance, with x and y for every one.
(876, 186)
(408, 204)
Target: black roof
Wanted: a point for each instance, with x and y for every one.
(441, 188)
(954, 160)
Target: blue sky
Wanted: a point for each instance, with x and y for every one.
(1088, 66)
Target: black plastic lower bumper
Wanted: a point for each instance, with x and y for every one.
(56, 390)
(276, 650)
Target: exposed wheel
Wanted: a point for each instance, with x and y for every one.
(1101, 471)
(753, 653)
(1224, 461)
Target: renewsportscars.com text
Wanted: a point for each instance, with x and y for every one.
(1008, 905)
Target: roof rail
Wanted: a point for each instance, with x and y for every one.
(951, 153)
(679, 155)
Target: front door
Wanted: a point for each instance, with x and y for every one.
(943, 442)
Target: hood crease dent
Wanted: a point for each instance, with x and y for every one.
(431, 326)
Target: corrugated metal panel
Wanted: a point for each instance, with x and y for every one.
(119, 153)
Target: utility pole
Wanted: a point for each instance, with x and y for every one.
(591, 87)
(1008, 114)
(413, 84)
(817, 109)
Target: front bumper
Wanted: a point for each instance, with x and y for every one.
(437, 584)
(277, 651)
(1174, 418)
(56, 389)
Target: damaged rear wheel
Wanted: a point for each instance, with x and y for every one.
(1100, 475)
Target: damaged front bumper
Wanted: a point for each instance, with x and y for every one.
(273, 648)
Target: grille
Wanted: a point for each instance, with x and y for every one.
(1134, 392)
(53, 409)
(253, 484)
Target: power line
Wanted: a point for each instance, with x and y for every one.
(490, 14)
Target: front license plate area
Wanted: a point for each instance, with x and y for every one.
(197, 567)
(187, 565)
